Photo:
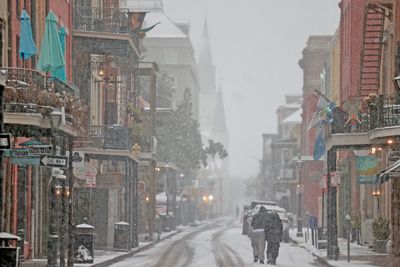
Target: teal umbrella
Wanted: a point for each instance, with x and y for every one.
(60, 73)
(51, 56)
(27, 46)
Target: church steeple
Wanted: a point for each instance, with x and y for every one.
(219, 125)
(206, 66)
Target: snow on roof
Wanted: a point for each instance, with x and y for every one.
(295, 117)
(161, 197)
(166, 29)
(143, 5)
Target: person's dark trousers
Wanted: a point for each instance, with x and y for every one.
(272, 251)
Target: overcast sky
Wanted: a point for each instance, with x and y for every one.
(256, 46)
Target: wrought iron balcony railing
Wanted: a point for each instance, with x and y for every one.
(20, 78)
(95, 19)
(377, 112)
(111, 137)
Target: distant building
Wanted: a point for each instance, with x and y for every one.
(213, 123)
(278, 179)
(169, 45)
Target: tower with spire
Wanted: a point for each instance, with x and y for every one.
(213, 122)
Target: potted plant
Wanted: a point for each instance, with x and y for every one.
(380, 232)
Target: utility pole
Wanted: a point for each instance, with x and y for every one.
(333, 248)
(2, 87)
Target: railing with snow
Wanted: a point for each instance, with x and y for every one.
(95, 19)
(377, 111)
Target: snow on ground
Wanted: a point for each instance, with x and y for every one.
(199, 242)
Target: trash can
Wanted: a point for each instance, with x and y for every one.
(83, 246)
(122, 234)
(9, 250)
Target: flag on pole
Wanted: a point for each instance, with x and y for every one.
(319, 145)
(323, 112)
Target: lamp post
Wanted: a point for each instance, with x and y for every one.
(299, 164)
(2, 86)
(52, 239)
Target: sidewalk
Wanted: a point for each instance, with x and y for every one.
(103, 258)
(359, 255)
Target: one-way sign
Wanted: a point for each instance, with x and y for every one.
(54, 161)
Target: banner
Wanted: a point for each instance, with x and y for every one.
(367, 168)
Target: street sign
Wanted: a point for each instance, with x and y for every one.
(16, 152)
(391, 158)
(54, 161)
(41, 149)
(5, 141)
(25, 161)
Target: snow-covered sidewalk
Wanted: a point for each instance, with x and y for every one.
(105, 257)
(359, 255)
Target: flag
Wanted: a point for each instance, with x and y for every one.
(149, 28)
(319, 145)
(323, 112)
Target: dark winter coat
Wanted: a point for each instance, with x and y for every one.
(274, 228)
(259, 221)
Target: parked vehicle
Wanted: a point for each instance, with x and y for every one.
(247, 211)
(254, 203)
(282, 215)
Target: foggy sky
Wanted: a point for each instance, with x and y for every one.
(256, 45)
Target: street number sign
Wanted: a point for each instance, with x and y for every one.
(54, 161)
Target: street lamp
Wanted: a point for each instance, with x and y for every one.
(55, 192)
(299, 164)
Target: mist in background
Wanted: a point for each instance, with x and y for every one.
(256, 45)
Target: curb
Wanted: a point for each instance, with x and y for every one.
(133, 252)
(319, 258)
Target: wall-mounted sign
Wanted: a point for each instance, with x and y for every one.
(87, 173)
(5, 141)
(367, 168)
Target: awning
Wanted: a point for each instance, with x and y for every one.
(384, 174)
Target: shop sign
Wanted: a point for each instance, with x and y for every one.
(367, 168)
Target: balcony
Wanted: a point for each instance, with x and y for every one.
(30, 94)
(95, 19)
(111, 137)
(378, 112)
(379, 117)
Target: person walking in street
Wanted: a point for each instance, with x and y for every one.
(273, 235)
(257, 235)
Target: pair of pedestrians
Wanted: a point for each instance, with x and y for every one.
(266, 227)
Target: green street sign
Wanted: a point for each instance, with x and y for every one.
(26, 161)
(16, 152)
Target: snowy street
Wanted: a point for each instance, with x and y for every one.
(216, 243)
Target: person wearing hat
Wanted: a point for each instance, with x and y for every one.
(257, 235)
